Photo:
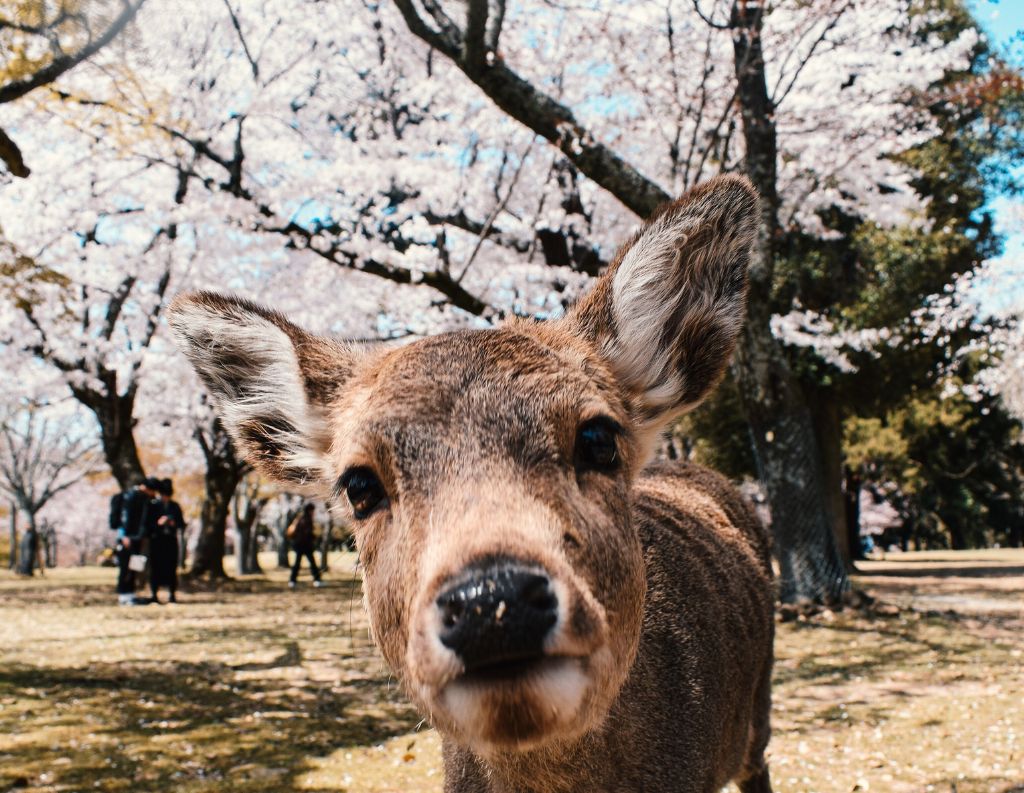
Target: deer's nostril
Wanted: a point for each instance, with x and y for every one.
(538, 595)
(451, 611)
(498, 614)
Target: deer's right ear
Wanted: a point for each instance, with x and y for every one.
(271, 381)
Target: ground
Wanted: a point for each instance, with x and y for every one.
(255, 689)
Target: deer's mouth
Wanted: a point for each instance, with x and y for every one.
(513, 670)
(518, 704)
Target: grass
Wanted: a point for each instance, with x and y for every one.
(255, 689)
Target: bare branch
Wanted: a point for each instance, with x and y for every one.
(474, 54)
(161, 291)
(497, 20)
(498, 209)
(708, 19)
(447, 40)
(245, 47)
(436, 279)
(778, 98)
(550, 119)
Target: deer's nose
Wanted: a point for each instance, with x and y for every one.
(498, 614)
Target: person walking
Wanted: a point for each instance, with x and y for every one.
(301, 534)
(163, 524)
(131, 515)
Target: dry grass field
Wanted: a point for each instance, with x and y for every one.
(255, 689)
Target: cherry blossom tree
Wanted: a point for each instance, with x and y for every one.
(381, 170)
(43, 40)
(40, 457)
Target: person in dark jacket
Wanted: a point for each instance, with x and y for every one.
(132, 520)
(163, 524)
(301, 536)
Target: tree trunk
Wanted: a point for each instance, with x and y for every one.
(246, 517)
(788, 460)
(325, 542)
(223, 472)
(851, 497)
(12, 563)
(50, 538)
(208, 559)
(828, 429)
(253, 563)
(785, 447)
(117, 424)
(29, 548)
(243, 550)
(957, 540)
(282, 542)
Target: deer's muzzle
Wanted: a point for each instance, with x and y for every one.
(496, 617)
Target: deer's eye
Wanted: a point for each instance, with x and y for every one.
(364, 490)
(596, 445)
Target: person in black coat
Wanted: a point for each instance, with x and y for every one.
(131, 517)
(301, 535)
(165, 520)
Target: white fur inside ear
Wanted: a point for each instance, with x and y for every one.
(671, 294)
(643, 303)
(252, 370)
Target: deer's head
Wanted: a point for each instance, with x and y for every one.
(487, 474)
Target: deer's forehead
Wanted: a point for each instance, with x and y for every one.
(461, 374)
(476, 393)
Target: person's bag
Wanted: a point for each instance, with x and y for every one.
(293, 528)
(137, 562)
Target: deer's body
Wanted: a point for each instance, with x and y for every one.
(568, 618)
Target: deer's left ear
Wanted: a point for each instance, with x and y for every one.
(667, 313)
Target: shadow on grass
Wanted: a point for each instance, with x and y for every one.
(894, 649)
(163, 726)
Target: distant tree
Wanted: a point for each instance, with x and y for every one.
(251, 496)
(224, 470)
(40, 457)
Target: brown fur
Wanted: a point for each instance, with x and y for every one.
(656, 677)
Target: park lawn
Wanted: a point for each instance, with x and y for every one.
(255, 689)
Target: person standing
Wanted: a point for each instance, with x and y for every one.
(163, 524)
(301, 533)
(131, 518)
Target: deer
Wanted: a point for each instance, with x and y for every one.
(568, 614)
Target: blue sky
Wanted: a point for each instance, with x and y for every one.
(1003, 21)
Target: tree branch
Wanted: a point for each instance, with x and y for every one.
(497, 20)
(475, 50)
(445, 40)
(116, 304)
(245, 47)
(10, 154)
(708, 20)
(17, 89)
(547, 117)
(778, 98)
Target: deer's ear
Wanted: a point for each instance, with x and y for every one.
(667, 313)
(271, 381)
